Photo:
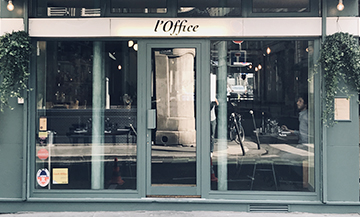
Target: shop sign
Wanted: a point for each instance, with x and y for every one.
(43, 154)
(175, 27)
(171, 27)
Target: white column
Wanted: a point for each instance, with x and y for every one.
(222, 117)
(97, 160)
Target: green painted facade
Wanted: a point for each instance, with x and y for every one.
(336, 162)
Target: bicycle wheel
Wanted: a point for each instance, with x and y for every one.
(233, 132)
(242, 135)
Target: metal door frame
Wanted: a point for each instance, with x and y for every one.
(202, 93)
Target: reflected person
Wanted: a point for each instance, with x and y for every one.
(213, 124)
(212, 136)
(302, 133)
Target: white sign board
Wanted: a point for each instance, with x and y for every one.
(175, 27)
(342, 109)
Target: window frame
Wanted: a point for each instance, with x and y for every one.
(246, 11)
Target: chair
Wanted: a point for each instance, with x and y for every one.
(268, 167)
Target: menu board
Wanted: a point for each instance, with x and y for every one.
(342, 109)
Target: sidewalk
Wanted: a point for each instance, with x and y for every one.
(173, 214)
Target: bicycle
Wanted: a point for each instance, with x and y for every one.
(236, 130)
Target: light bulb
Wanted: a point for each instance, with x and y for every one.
(340, 6)
(10, 5)
(130, 43)
(259, 66)
(135, 47)
(268, 50)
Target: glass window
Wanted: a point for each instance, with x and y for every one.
(86, 115)
(61, 8)
(262, 116)
(277, 6)
(138, 7)
(173, 150)
(209, 8)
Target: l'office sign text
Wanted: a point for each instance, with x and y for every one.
(175, 28)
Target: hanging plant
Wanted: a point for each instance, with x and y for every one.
(15, 51)
(340, 60)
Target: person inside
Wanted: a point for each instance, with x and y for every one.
(302, 133)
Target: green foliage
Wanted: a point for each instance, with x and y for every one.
(340, 60)
(15, 51)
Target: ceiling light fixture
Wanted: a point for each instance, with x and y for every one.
(340, 6)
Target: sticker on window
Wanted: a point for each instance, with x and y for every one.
(43, 177)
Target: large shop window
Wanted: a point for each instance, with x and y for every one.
(262, 116)
(86, 115)
(96, 8)
(179, 8)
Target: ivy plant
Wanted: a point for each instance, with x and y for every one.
(15, 51)
(340, 60)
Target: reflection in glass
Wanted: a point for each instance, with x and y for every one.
(138, 6)
(280, 6)
(271, 109)
(86, 107)
(173, 155)
(60, 8)
(209, 8)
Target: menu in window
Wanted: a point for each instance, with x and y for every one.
(60, 176)
(342, 109)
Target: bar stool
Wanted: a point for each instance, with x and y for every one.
(269, 167)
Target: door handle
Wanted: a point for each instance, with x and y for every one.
(151, 119)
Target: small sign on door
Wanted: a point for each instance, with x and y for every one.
(43, 124)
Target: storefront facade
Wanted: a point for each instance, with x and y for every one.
(177, 105)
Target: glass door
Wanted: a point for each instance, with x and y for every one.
(172, 151)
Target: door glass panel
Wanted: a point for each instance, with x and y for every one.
(173, 152)
(264, 133)
(87, 114)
